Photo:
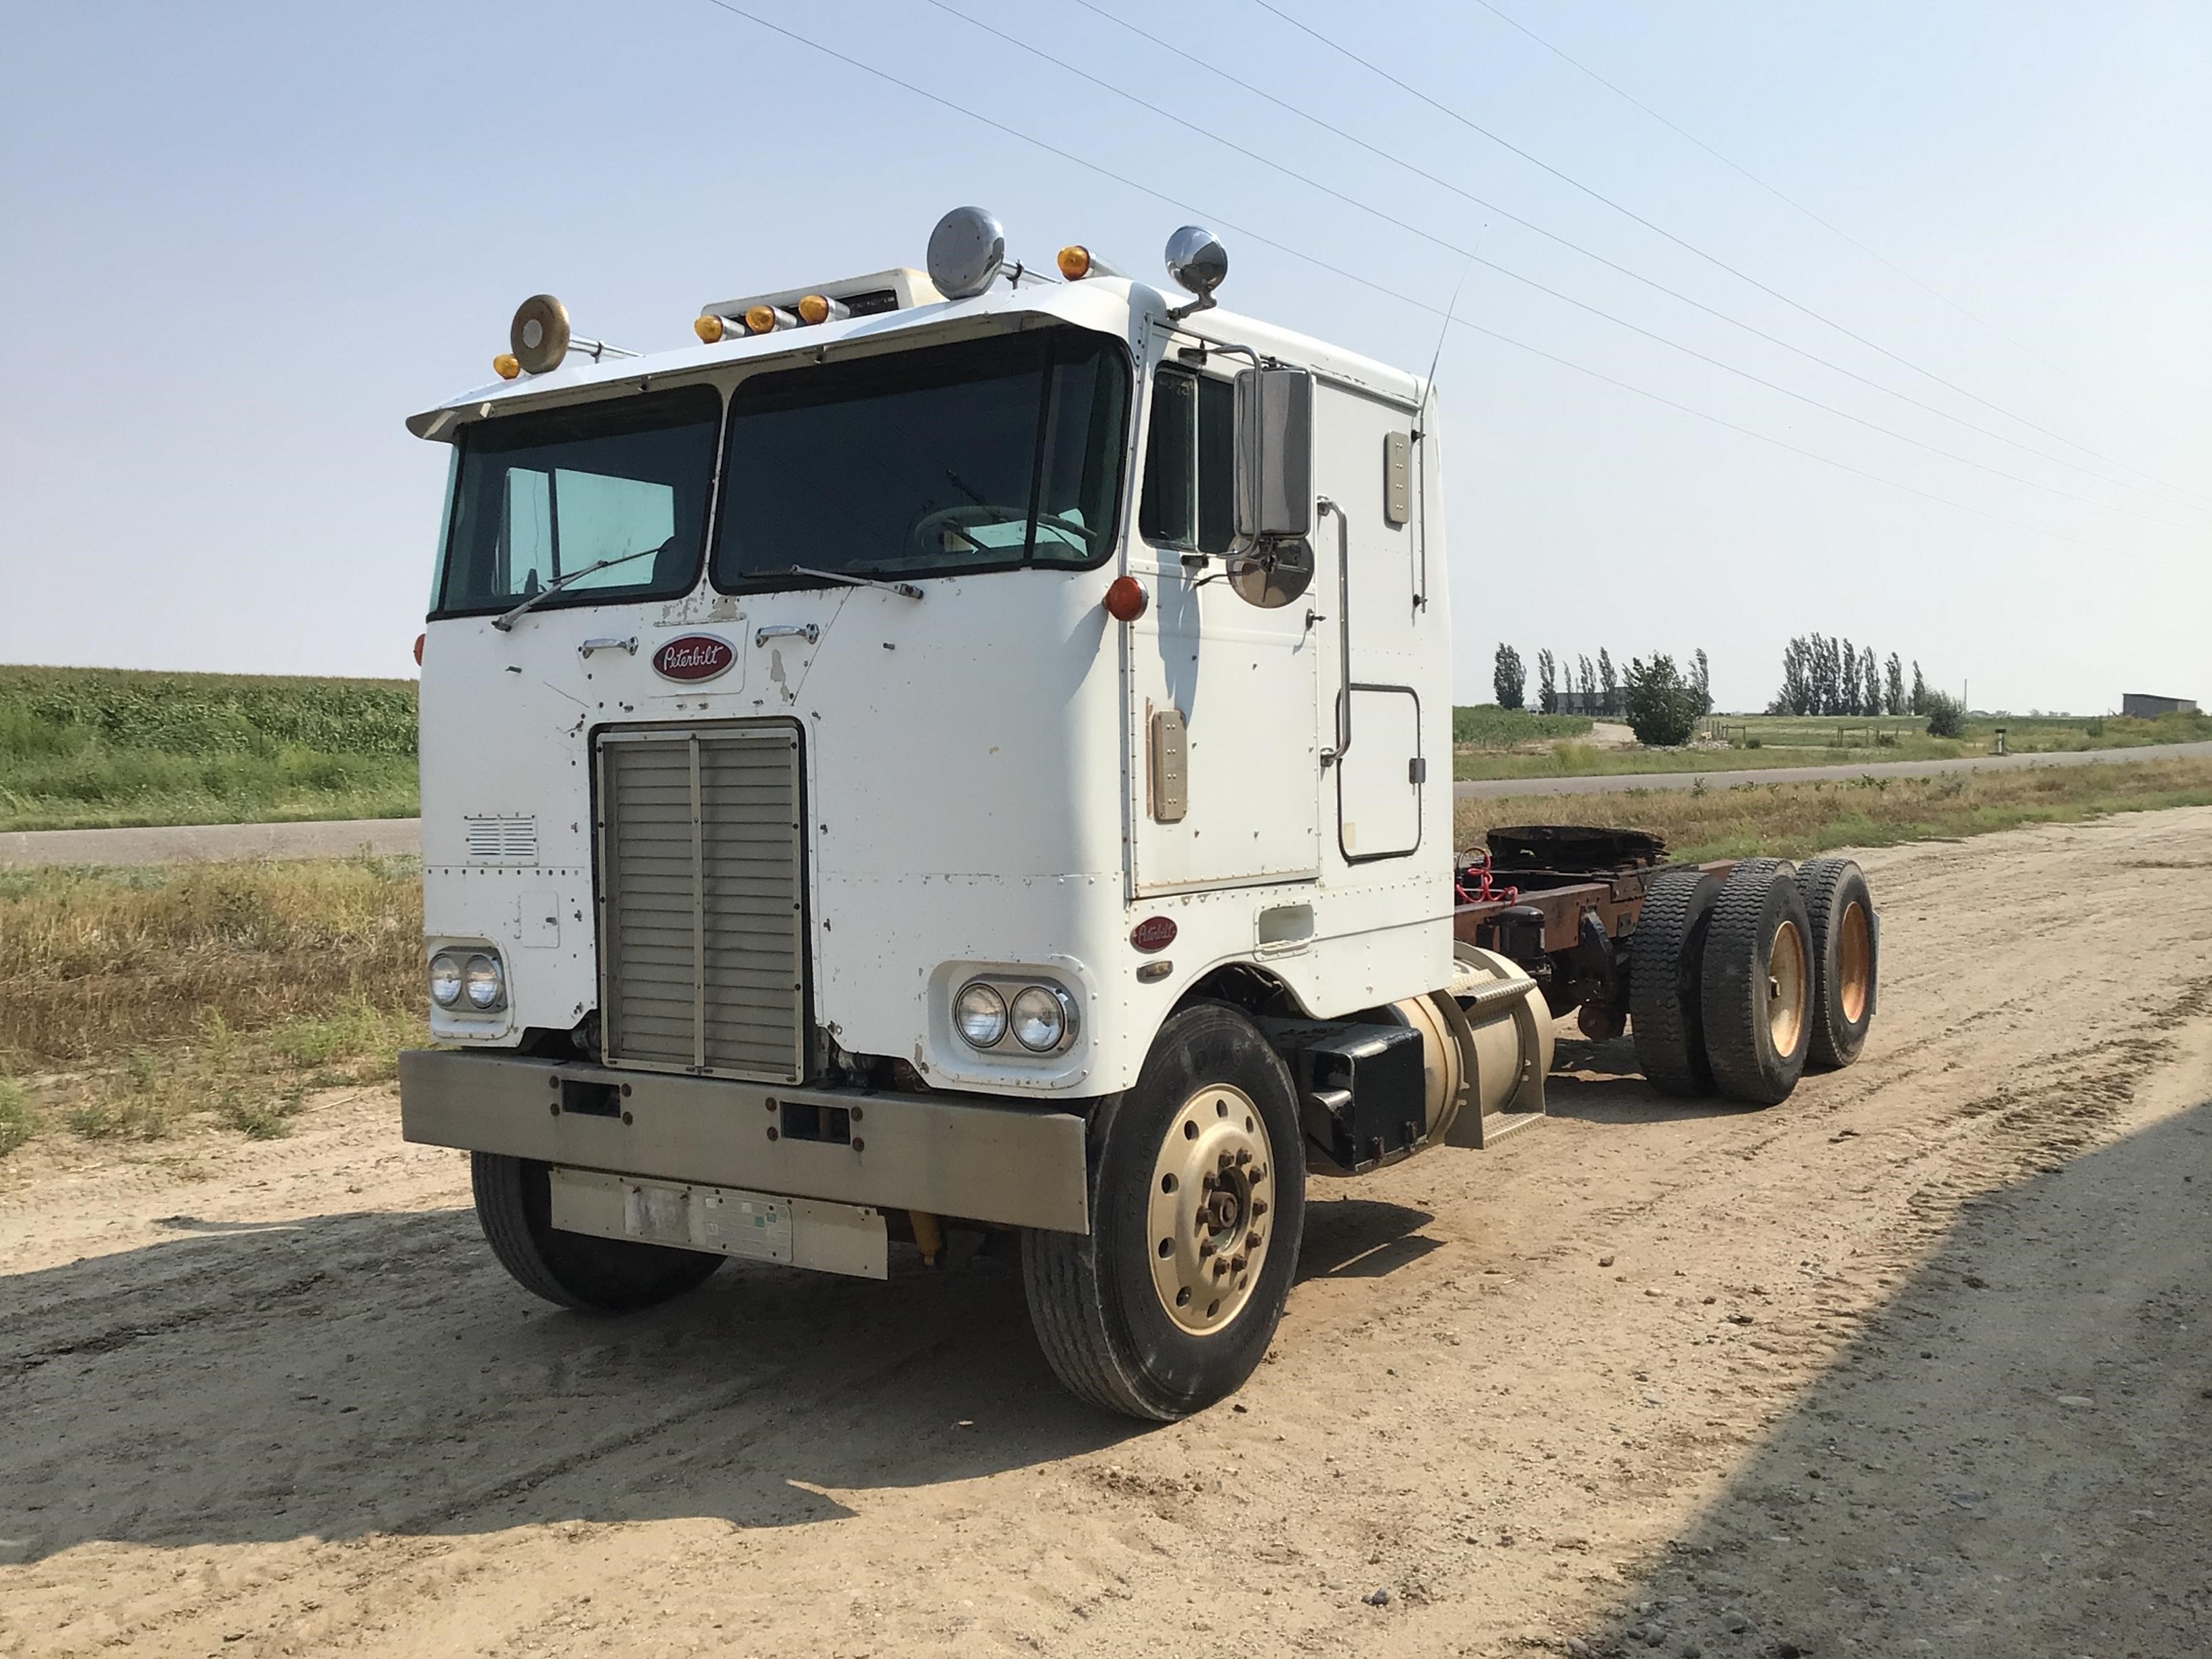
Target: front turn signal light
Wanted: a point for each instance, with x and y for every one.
(1075, 262)
(1125, 598)
(710, 330)
(507, 365)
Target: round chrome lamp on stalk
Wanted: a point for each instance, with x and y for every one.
(967, 251)
(1199, 264)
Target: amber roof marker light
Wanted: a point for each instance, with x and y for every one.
(1077, 262)
(710, 329)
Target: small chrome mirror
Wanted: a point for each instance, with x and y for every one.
(1274, 575)
(1199, 264)
(1274, 456)
(967, 251)
(538, 336)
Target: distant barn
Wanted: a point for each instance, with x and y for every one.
(2143, 707)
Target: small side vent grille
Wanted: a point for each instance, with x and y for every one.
(700, 892)
(502, 840)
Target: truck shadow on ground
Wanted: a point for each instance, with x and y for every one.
(361, 1373)
(1601, 1083)
(2013, 1457)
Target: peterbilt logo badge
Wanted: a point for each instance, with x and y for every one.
(693, 657)
(1153, 934)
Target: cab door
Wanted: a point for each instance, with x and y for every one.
(1224, 739)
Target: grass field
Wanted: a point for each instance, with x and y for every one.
(1733, 742)
(134, 1000)
(91, 747)
(1486, 725)
(1795, 820)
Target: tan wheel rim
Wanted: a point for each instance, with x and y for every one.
(1785, 987)
(1213, 1186)
(1854, 962)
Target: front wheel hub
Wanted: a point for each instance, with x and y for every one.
(1212, 1181)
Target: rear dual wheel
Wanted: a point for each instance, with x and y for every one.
(1839, 909)
(1756, 984)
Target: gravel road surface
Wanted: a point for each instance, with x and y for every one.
(198, 842)
(1473, 787)
(1915, 1363)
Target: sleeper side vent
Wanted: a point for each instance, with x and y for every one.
(501, 839)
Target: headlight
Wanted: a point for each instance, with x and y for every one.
(1043, 1016)
(481, 980)
(981, 1014)
(445, 979)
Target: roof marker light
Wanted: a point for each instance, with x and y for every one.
(710, 329)
(1075, 262)
(766, 319)
(821, 308)
(506, 366)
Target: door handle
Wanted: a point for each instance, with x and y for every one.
(808, 631)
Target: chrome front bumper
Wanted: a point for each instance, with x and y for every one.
(950, 1156)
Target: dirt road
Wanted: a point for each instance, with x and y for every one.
(1919, 1362)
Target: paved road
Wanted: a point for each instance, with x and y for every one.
(334, 840)
(1719, 779)
(197, 842)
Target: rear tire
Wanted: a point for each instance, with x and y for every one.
(1841, 910)
(1756, 985)
(1104, 1303)
(1666, 959)
(514, 1206)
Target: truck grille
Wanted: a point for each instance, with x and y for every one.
(700, 952)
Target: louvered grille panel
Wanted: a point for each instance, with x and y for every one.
(701, 953)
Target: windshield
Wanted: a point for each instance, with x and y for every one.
(545, 496)
(982, 455)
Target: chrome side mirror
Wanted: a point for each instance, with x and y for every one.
(1274, 456)
(1273, 575)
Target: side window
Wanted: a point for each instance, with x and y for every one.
(1169, 513)
(1190, 464)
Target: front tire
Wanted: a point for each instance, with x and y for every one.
(1197, 1209)
(514, 1206)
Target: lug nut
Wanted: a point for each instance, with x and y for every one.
(1205, 1249)
(1227, 1163)
(1243, 1156)
(1259, 1208)
(1252, 1239)
(1221, 1269)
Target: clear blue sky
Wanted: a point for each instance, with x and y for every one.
(238, 243)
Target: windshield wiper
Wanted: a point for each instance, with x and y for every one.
(905, 590)
(505, 621)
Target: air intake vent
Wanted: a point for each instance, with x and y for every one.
(502, 840)
(700, 944)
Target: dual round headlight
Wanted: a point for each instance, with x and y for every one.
(1039, 1017)
(474, 978)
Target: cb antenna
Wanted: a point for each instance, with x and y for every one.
(1428, 386)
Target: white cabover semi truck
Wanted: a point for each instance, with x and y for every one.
(973, 749)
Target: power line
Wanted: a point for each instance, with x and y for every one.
(1686, 245)
(1363, 283)
(1778, 194)
(1311, 183)
(2170, 498)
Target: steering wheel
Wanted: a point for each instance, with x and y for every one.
(929, 530)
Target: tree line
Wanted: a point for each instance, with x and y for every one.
(1824, 675)
(1662, 703)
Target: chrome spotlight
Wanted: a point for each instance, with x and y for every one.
(967, 251)
(1199, 264)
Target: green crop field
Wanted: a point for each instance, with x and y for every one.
(90, 747)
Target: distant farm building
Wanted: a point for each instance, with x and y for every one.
(2143, 707)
